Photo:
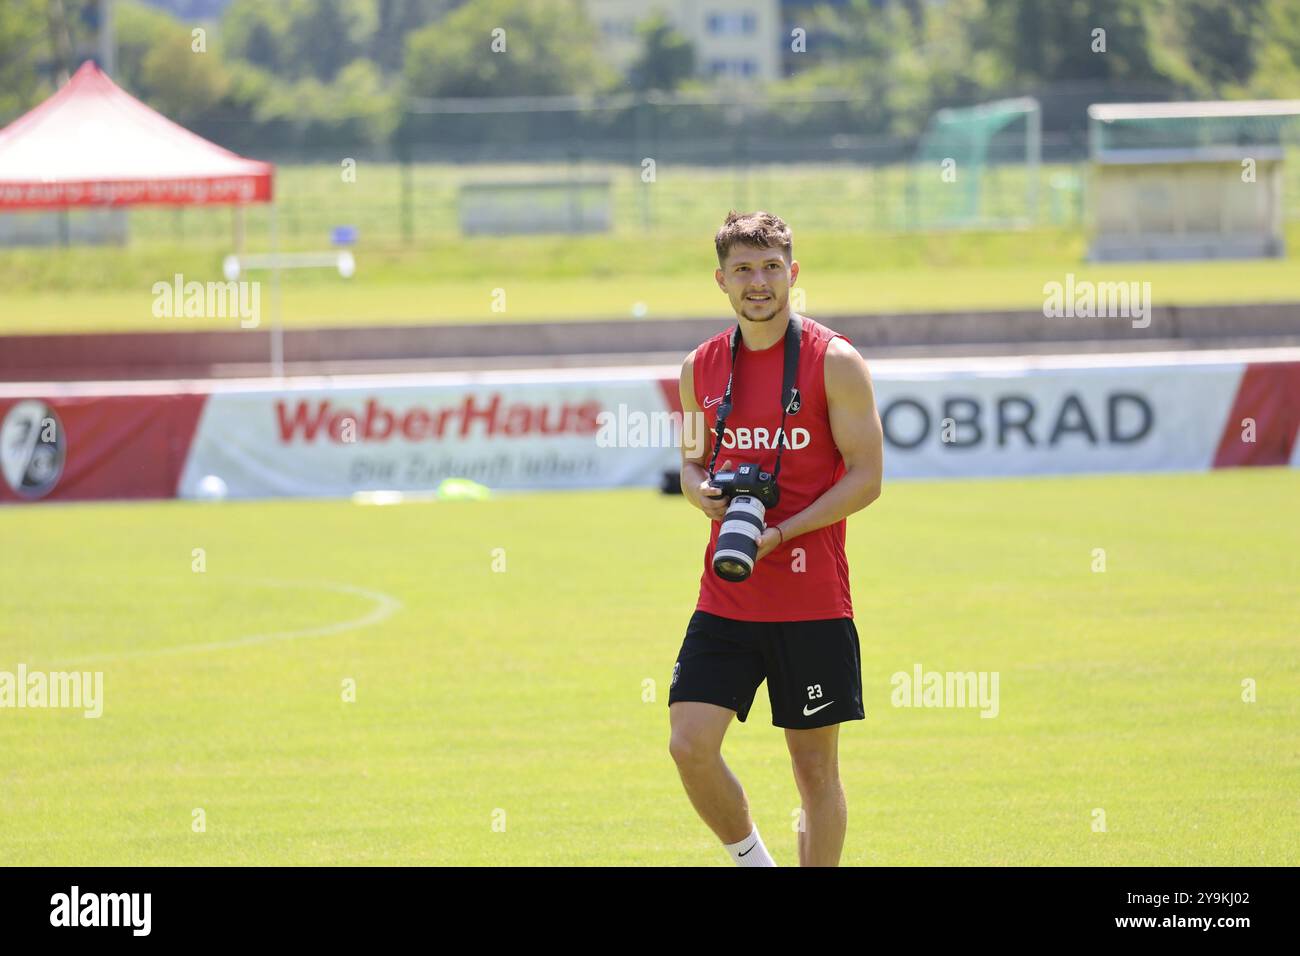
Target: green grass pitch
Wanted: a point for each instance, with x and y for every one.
(514, 697)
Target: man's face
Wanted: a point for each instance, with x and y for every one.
(757, 281)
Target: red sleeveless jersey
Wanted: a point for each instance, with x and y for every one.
(807, 578)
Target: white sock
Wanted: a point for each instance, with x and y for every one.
(750, 851)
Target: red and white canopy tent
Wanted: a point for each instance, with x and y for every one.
(93, 144)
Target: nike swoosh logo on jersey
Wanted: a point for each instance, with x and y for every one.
(710, 402)
(809, 713)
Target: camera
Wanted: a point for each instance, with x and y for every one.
(750, 492)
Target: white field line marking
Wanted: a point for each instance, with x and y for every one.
(385, 607)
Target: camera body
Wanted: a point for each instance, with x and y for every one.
(749, 492)
(749, 480)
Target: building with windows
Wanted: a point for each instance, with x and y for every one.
(733, 39)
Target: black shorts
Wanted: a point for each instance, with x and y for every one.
(813, 668)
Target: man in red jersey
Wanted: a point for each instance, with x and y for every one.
(791, 620)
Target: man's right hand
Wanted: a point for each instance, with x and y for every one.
(709, 499)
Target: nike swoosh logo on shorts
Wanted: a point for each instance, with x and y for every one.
(710, 402)
(809, 713)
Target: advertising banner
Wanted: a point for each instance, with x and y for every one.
(607, 428)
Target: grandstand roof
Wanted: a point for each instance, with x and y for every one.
(1109, 112)
(1218, 131)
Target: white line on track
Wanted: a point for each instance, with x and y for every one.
(385, 607)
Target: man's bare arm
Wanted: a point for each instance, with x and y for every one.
(855, 426)
(695, 449)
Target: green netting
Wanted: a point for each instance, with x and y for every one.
(975, 139)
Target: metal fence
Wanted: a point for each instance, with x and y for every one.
(675, 165)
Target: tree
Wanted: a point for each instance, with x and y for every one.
(258, 32)
(947, 59)
(322, 37)
(1219, 39)
(506, 48)
(1058, 41)
(300, 38)
(397, 18)
(180, 84)
(362, 101)
(24, 41)
(861, 48)
(1277, 56)
(156, 62)
(666, 59)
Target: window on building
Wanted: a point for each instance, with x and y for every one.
(732, 24)
(732, 68)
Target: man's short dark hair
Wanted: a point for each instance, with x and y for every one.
(760, 229)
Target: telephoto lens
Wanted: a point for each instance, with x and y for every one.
(737, 547)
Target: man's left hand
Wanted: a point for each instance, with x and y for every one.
(768, 542)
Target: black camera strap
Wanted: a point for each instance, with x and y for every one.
(789, 392)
